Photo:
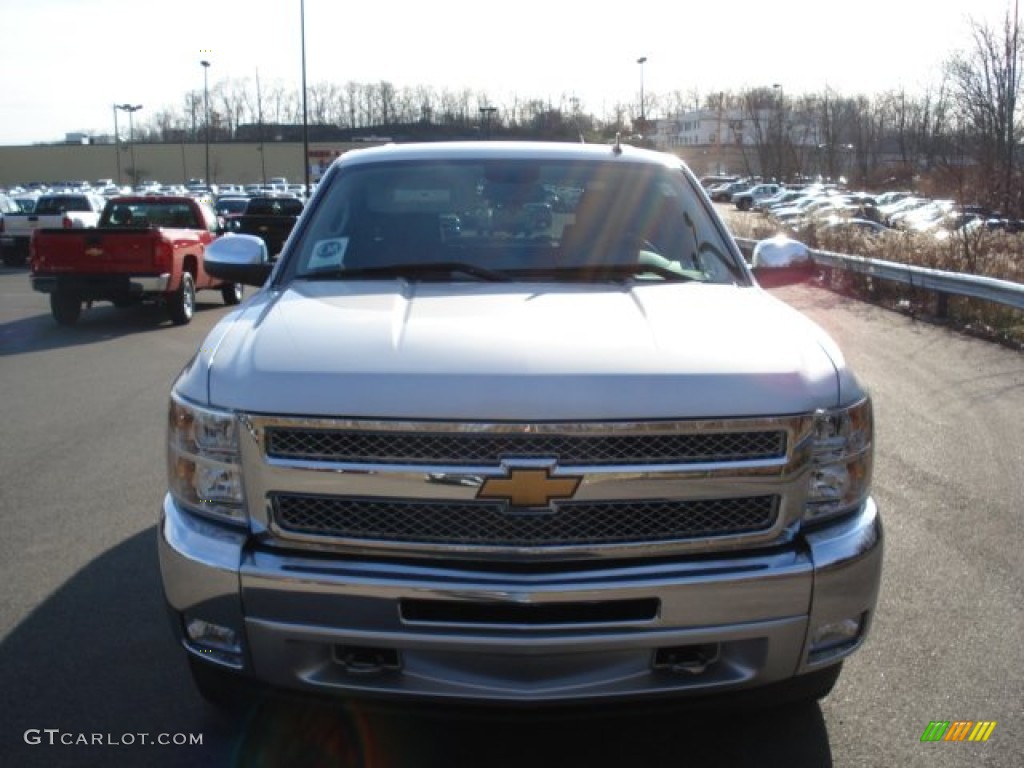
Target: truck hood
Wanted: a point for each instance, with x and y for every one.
(392, 349)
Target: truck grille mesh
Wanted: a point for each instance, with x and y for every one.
(356, 446)
(490, 524)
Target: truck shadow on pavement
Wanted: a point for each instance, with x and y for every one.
(100, 323)
(95, 666)
(292, 732)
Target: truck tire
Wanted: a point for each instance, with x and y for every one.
(181, 304)
(744, 203)
(232, 293)
(66, 307)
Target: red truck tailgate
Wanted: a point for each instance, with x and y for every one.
(97, 251)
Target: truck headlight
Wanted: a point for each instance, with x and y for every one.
(842, 447)
(203, 461)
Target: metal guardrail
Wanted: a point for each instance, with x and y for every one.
(946, 283)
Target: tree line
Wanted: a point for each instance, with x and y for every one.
(961, 136)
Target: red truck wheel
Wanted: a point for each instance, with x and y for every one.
(66, 307)
(181, 304)
(232, 293)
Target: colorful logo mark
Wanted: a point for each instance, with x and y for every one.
(958, 730)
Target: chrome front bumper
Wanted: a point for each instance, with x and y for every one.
(450, 630)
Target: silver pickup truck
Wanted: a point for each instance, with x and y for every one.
(438, 459)
(59, 211)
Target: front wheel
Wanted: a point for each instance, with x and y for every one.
(232, 293)
(182, 303)
(66, 307)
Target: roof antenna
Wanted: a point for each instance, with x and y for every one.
(617, 149)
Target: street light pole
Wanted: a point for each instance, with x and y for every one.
(305, 113)
(259, 112)
(117, 148)
(206, 110)
(131, 109)
(643, 116)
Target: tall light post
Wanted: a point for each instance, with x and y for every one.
(305, 113)
(259, 112)
(643, 116)
(206, 111)
(131, 109)
(117, 148)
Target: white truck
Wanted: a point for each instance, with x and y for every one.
(441, 460)
(59, 211)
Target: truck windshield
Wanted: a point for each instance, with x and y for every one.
(48, 206)
(536, 219)
(143, 213)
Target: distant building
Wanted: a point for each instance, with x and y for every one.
(773, 143)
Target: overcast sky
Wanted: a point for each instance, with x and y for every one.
(66, 62)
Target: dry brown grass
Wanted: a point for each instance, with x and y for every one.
(987, 254)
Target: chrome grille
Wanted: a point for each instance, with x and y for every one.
(467, 448)
(491, 524)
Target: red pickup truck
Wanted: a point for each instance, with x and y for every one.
(147, 248)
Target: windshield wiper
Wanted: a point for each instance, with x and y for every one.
(413, 271)
(603, 272)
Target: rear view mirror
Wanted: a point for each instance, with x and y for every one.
(239, 259)
(781, 260)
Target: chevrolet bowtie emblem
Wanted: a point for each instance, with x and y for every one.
(529, 487)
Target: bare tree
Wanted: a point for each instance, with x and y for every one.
(326, 103)
(234, 105)
(194, 112)
(352, 98)
(986, 83)
(762, 115)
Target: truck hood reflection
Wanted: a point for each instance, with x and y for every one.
(392, 349)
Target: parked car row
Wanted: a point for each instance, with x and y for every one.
(829, 207)
(136, 245)
(25, 194)
(24, 198)
(79, 204)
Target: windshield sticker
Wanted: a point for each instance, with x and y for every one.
(329, 253)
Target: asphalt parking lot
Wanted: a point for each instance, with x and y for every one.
(86, 649)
